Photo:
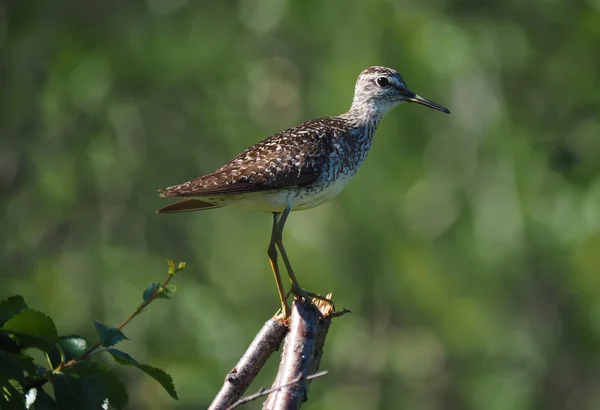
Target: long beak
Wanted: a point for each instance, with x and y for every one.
(415, 98)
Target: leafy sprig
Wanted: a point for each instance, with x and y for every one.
(78, 381)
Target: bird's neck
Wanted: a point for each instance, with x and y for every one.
(366, 113)
(364, 119)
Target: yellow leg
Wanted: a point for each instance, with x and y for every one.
(277, 237)
(272, 252)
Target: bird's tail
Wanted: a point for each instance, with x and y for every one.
(187, 205)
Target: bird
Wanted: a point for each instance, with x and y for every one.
(301, 167)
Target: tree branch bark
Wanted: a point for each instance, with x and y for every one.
(262, 392)
(302, 353)
(239, 378)
(301, 357)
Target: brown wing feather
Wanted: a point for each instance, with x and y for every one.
(291, 158)
(187, 205)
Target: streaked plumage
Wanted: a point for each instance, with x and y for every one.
(291, 167)
(303, 166)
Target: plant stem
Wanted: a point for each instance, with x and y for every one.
(136, 312)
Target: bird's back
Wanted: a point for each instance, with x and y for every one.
(294, 157)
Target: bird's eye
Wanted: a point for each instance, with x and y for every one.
(382, 81)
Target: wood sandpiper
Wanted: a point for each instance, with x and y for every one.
(301, 167)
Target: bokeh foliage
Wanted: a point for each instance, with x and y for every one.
(466, 247)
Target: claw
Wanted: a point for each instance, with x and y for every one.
(299, 292)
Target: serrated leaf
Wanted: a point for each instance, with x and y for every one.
(151, 290)
(168, 291)
(32, 323)
(165, 380)
(108, 335)
(11, 307)
(157, 374)
(71, 346)
(88, 385)
(122, 357)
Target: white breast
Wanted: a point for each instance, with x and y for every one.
(277, 200)
(320, 193)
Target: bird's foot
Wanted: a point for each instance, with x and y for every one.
(284, 313)
(299, 292)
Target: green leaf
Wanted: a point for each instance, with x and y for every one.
(22, 341)
(27, 364)
(71, 347)
(151, 290)
(164, 292)
(168, 291)
(32, 323)
(109, 335)
(11, 307)
(88, 385)
(8, 342)
(157, 374)
(11, 368)
(173, 270)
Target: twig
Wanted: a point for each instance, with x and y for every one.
(302, 353)
(136, 312)
(340, 313)
(237, 381)
(263, 392)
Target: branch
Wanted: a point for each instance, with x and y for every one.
(262, 392)
(172, 271)
(237, 381)
(302, 353)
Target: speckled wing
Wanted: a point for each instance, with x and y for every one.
(292, 158)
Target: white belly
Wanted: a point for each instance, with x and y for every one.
(276, 200)
(310, 199)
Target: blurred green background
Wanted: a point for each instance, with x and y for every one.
(467, 247)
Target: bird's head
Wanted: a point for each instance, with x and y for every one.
(381, 89)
